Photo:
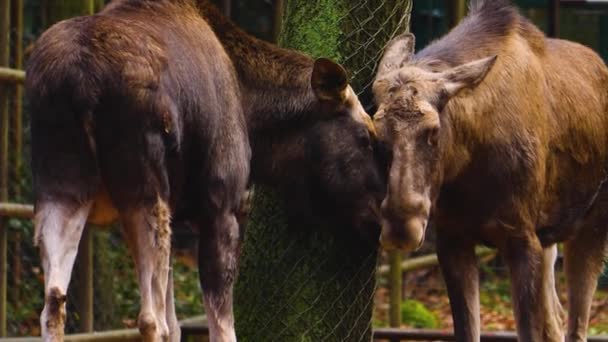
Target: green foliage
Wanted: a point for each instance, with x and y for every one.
(188, 296)
(23, 311)
(416, 315)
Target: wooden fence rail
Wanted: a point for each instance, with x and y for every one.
(8, 75)
(22, 211)
(194, 328)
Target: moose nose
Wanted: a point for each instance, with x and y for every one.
(410, 205)
(404, 225)
(416, 204)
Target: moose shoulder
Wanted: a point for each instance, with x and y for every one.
(500, 134)
(155, 109)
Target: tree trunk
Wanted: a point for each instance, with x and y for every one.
(315, 283)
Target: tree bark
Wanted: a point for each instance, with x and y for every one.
(302, 283)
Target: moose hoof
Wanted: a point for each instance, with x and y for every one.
(147, 327)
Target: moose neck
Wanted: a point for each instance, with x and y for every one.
(275, 82)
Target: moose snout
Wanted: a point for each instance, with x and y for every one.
(404, 227)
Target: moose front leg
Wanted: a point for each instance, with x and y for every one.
(584, 260)
(524, 256)
(460, 272)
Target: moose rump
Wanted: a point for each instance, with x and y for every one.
(117, 129)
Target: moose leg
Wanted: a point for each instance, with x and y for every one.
(148, 234)
(218, 258)
(524, 256)
(174, 328)
(460, 272)
(58, 231)
(584, 259)
(553, 312)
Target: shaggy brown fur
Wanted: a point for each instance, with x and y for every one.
(499, 149)
(155, 109)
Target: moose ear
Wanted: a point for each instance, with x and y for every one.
(397, 52)
(329, 80)
(467, 75)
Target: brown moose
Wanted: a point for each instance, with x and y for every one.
(501, 134)
(155, 108)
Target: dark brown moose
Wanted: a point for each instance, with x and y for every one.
(500, 134)
(159, 108)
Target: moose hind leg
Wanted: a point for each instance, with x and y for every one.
(172, 322)
(219, 241)
(58, 231)
(148, 234)
(584, 260)
(218, 259)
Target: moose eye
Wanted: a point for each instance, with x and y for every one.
(432, 136)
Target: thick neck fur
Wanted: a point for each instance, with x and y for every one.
(275, 82)
(484, 32)
(471, 118)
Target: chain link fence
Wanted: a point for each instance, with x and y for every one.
(368, 26)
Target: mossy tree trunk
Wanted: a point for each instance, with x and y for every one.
(315, 283)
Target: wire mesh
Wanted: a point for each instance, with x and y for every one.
(368, 26)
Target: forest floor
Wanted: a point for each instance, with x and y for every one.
(427, 288)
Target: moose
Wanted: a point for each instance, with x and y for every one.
(158, 110)
(500, 134)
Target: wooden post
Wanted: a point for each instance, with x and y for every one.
(396, 285)
(84, 269)
(84, 280)
(604, 33)
(553, 18)
(89, 7)
(458, 8)
(99, 4)
(83, 276)
(279, 8)
(17, 111)
(226, 7)
(44, 13)
(5, 20)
